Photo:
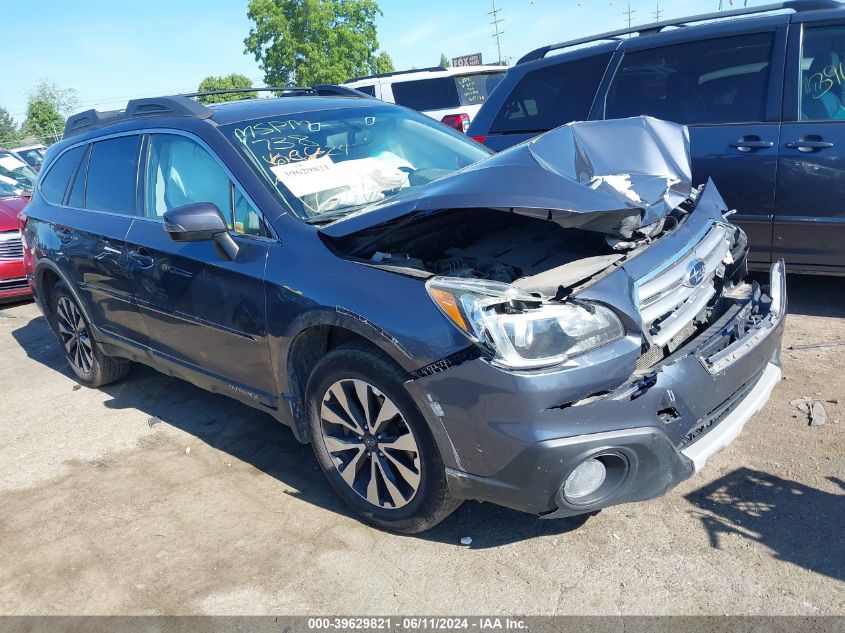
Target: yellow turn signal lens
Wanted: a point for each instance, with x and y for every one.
(449, 305)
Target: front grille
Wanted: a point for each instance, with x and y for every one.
(11, 245)
(668, 303)
(13, 284)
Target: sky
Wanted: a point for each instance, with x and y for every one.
(110, 51)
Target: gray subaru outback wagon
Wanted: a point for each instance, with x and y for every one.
(561, 327)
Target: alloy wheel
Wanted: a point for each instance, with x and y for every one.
(370, 443)
(74, 335)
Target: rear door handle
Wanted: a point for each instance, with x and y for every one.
(142, 258)
(812, 143)
(751, 143)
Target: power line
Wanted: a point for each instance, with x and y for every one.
(495, 21)
(657, 12)
(630, 15)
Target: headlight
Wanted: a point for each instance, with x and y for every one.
(519, 329)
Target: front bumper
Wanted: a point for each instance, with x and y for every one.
(513, 439)
(13, 282)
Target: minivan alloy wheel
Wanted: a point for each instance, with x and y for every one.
(370, 443)
(74, 335)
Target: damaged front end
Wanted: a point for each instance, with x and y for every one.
(606, 305)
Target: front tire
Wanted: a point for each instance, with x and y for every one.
(92, 367)
(373, 444)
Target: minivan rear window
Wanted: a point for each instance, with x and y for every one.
(112, 175)
(441, 93)
(551, 96)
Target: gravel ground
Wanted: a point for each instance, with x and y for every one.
(103, 511)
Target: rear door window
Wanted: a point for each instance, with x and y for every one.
(551, 96)
(367, 90)
(55, 183)
(112, 175)
(76, 198)
(709, 81)
(474, 89)
(439, 93)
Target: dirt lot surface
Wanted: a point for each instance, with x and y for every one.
(102, 510)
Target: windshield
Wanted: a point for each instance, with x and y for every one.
(326, 164)
(16, 176)
(32, 156)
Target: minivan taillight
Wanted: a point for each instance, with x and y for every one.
(460, 122)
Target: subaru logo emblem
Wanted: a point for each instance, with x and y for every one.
(695, 274)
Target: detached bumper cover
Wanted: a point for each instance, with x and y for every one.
(516, 448)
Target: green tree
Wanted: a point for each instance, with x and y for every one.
(309, 42)
(9, 134)
(46, 106)
(63, 100)
(227, 82)
(444, 61)
(383, 63)
(43, 121)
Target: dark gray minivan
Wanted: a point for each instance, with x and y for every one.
(761, 90)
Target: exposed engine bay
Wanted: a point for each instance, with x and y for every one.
(498, 245)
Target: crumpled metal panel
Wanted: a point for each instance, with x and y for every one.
(609, 176)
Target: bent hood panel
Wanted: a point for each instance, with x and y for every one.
(607, 176)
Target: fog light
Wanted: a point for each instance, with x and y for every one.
(584, 480)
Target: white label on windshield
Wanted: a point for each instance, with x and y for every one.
(11, 163)
(311, 176)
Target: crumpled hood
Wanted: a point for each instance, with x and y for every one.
(608, 176)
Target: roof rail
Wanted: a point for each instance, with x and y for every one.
(174, 106)
(283, 91)
(798, 6)
(185, 105)
(431, 69)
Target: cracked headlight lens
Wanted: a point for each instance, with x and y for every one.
(519, 329)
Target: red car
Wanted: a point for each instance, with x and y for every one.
(13, 283)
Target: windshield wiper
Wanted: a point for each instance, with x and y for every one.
(331, 216)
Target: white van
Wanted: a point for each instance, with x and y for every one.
(450, 95)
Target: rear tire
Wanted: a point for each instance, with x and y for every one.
(373, 444)
(92, 367)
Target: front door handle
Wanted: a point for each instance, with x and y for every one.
(142, 257)
(811, 143)
(751, 143)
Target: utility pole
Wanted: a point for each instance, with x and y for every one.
(657, 13)
(495, 20)
(630, 15)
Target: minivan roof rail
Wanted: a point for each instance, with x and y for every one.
(799, 6)
(431, 69)
(185, 105)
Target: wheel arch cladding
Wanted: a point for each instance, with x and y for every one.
(306, 349)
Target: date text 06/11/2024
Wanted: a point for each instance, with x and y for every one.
(417, 623)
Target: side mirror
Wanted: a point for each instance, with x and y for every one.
(200, 222)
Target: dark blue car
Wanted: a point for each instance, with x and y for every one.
(761, 89)
(552, 328)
